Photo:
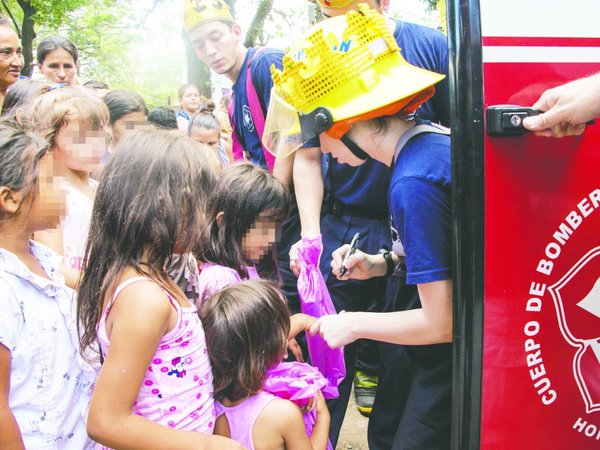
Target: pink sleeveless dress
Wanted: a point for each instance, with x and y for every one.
(242, 417)
(177, 390)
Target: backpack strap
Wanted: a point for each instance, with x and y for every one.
(419, 129)
(236, 150)
(256, 110)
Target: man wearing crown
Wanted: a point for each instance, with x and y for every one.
(217, 41)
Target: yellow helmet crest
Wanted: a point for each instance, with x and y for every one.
(328, 60)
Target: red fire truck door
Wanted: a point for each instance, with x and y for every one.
(541, 276)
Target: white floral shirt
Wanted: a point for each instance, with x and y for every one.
(50, 384)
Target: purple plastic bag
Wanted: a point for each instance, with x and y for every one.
(316, 301)
(297, 382)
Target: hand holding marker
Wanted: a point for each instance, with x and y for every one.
(353, 247)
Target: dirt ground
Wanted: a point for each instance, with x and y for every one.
(353, 435)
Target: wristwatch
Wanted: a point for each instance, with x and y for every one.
(389, 261)
(392, 269)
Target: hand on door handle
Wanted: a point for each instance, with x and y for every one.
(566, 108)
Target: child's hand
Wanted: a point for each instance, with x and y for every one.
(321, 405)
(300, 322)
(295, 349)
(295, 265)
(318, 402)
(312, 403)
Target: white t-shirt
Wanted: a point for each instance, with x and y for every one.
(76, 225)
(50, 384)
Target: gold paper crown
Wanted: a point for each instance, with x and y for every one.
(366, 40)
(198, 12)
(335, 4)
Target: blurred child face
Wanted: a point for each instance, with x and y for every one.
(58, 67)
(81, 145)
(190, 101)
(257, 241)
(49, 203)
(128, 123)
(208, 137)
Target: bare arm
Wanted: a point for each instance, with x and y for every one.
(10, 434)
(284, 418)
(431, 324)
(308, 184)
(140, 318)
(282, 170)
(320, 433)
(72, 276)
(300, 322)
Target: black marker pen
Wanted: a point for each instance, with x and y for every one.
(353, 247)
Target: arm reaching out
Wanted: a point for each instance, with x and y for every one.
(431, 324)
(308, 184)
(567, 108)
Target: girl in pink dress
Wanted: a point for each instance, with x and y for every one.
(247, 326)
(244, 215)
(154, 389)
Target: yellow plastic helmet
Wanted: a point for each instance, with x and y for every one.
(344, 70)
(198, 12)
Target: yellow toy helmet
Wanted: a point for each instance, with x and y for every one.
(198, 12)
(344, 70)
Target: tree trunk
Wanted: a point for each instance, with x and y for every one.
(27, 36)
(256, 27)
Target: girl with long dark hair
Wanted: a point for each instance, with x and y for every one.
(154, 389)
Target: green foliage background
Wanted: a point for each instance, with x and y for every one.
(120, 45)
